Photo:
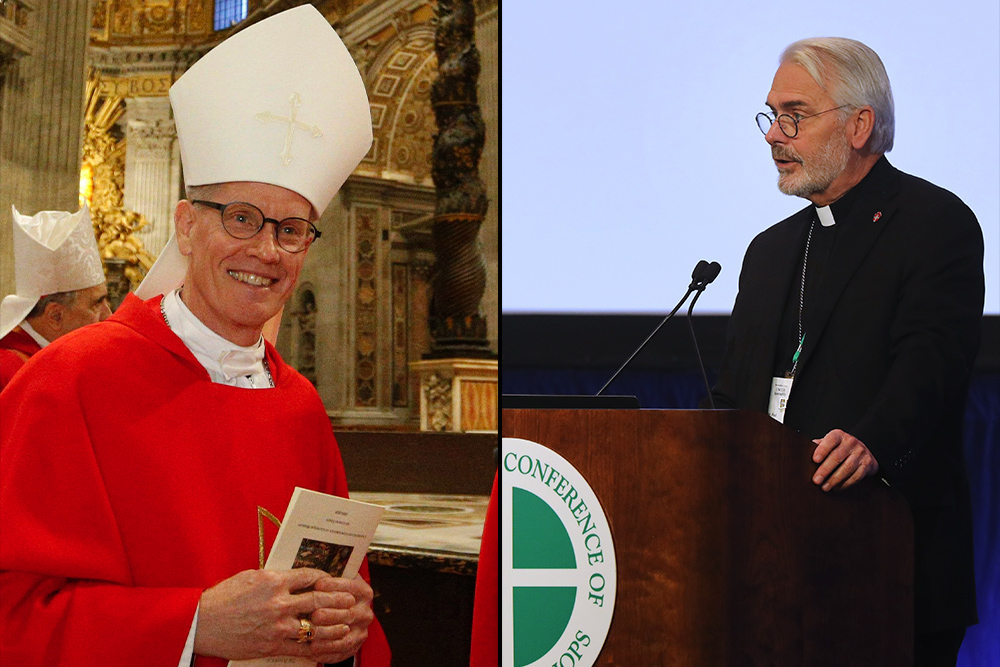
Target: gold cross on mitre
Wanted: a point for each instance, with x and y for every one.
(293, 124)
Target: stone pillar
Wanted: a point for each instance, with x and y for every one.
(41, 117)
(150, 170)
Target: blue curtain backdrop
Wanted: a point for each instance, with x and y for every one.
(684, 390)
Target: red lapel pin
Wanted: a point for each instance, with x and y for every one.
(877, 216)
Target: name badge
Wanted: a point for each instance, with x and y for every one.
(780, 389)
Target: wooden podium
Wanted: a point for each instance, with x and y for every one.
(727, 553)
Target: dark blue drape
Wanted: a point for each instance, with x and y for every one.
(658, 389)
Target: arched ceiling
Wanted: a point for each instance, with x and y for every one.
(141, 46)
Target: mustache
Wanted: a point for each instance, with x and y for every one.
(783, 153)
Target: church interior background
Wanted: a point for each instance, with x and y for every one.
(84, 116)
(358, 319)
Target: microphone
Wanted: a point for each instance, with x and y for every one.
(703, 274)
(710, 273)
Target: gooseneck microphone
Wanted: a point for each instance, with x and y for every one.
(710, 274)
(703, 274)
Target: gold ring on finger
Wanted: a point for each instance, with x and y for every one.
(306, 631)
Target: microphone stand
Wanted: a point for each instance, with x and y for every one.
(703, 274)
(697, 351)
(665, 319)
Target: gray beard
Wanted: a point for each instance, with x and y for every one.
(820, 173)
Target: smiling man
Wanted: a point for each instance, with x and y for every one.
(131, 537)
(242, 270)
(858, 318)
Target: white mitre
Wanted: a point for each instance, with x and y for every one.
(280, 102)
(54, 251)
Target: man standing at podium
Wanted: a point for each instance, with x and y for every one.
(858, 318)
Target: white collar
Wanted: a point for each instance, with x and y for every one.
(225, 361)
(825, 214)
(39, 338)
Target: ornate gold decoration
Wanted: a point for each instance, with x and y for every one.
(413, 135)
(437, 390)
(400, 70)
(458, 395)
(140, 85)
(130, 22)
(15, 30)
(102, 183)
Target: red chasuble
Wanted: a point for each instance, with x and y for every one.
(15, 349)
(485, 629)
(129, 482)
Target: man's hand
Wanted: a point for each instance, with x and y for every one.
(345, 627)
(844, 461)
(256, 614)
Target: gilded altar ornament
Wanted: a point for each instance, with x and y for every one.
(102, 184)
(439, 401)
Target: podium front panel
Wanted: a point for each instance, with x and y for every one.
(727, 553)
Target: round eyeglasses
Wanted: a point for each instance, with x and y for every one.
(242, 220)
(787, 123)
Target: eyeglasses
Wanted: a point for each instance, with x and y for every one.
(787, 123)
(242, 220)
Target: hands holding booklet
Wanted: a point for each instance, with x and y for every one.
(308, 605)
(259, 612)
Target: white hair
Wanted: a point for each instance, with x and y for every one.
(854, 76)
(192, 192)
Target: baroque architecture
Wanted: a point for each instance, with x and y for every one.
(359, 318)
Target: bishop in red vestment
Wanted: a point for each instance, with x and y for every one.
(130, 483)
(59, 284)
(15, 349)
(135, 454)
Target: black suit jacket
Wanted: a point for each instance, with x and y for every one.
(891, 337)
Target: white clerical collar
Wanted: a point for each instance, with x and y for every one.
(825, 216)
(39, 338)
(225, 361)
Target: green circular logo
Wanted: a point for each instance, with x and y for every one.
(558, 561)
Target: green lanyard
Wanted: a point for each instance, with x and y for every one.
(795, 357)
(802, 298)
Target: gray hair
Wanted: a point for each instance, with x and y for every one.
(200, 191)
(63, 298)
(854, 76)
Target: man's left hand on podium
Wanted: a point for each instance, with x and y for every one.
(844, 461)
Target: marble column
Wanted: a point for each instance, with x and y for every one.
(151, 169)
(41, 118)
